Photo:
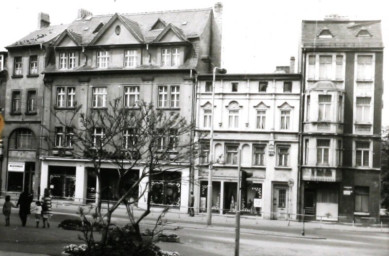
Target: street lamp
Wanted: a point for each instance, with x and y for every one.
(210, 166)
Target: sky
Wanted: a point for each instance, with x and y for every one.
(258, 35)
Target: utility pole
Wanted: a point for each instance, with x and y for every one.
(238, 206)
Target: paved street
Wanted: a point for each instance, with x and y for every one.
(258, 237)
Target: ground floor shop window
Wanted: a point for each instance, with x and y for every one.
(15, 181)
(62, 181)
(23, 178)
(252, 199)
(361, 199)
(215, 204)
(166, 189)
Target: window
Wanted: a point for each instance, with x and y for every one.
(339, 67)
(131, 96)
(34, 65)
(173, 139)
(281, 198)
(1, 62)
(262, 87)
(324, 107)
(232, 154)
(325, 33)
(18, 66)
(234, 87)
(174, 96)
(311, 66)
(98, 136)
(162, 96)
(339, 153)
(259, 155)
(162, 140)
(363, 110)
(130, 58)
(16, 102)
(285, 119)
(283, 156)
(170, 57)
(102, 59)
(308, 108)
(22, 139)
(165, 189)
(59, 137)
(287, 86)
(207, 118)
(306, 152)
(323, 149)
(31, 102)
(168, 96)
(261, 119)
(66, 97)
(130, 138)
(340, 108)
(362, 151)
(325, 67)
(361, 199)
(99, 97)
(67, 60)
(208, 86)
(233, 118)
(365, 67)
(204, 153)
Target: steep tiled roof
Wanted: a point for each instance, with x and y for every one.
(344, 34)
(40, 36)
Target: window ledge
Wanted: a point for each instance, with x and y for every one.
(361, 214)
(15, 113)
(364, 80)
(283, 168)
(64, 108)
(33, 75)
(17, 76)
(167, 108)
(99, 108)
(31, 113)
(363, 124)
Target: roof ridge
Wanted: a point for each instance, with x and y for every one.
(154, 12)
(340, 21)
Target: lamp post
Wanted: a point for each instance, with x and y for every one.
(210, 166)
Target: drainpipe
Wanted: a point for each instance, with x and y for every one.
(300, 191)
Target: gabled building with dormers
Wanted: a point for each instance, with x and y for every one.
(147, 56)
(342, 69)
(257, 114)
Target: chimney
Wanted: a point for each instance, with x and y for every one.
(43, 20)
(292, 64)
(83, 14)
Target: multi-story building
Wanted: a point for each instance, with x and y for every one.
(257, 115)
(23, 110)
(3, 79)
(341, 63)
(152, 57)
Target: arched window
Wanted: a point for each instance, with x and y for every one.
(233, 114)
(22, 139)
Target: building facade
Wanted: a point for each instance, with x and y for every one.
(341, 64)
(257, 115)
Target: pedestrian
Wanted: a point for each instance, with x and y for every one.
(46, 208)
(36, 209)
(191, 204)
(7, 209)
(24, 210)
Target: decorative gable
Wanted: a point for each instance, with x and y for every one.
(285, 106)
(118, 30)
(67, 42)
(171, 34)
(325, 33)
(261, 105)
(68, 39)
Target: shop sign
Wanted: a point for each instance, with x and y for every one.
(347, 190)
(16, 166)
(257, 202)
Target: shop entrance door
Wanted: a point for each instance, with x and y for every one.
(230, 197)
(280, 202)
(309, 204)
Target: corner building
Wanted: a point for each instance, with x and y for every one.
(342, 69)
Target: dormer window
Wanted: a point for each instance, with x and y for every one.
(325, 33)
(102, 59)
(170, 57)
(159, 24)
(364, 33)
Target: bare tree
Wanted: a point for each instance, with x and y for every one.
(152, 140)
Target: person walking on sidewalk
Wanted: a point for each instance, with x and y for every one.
(24, 210)
(7, 209)
(191, 204)
(36, 209)
(46, 208)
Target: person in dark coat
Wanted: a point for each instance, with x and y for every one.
(24, 203)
